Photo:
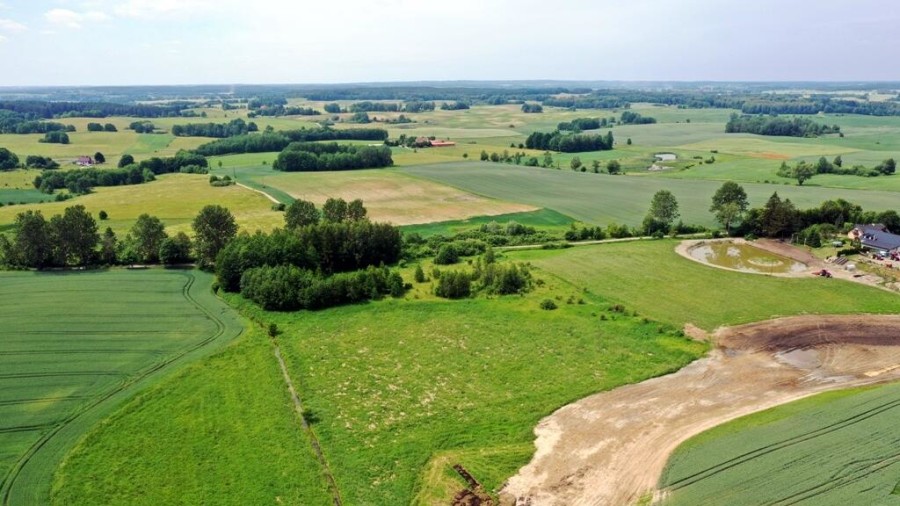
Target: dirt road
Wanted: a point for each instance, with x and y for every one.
(610, 448)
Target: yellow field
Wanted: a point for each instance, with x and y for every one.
(175, 199)
(17, 179)
(390, 196)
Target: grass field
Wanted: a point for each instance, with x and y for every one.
(174, 198)
(398, 399)
(540, 219)
(220, 432)
(650, 278)
(74, 346)
(835, 448)
(602, 199)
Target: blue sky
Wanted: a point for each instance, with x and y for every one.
(115, 42)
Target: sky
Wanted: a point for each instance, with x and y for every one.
(124, 42)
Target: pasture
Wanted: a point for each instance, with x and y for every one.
(602, 199)
(174, 198)
(74, 346)
(832, 449)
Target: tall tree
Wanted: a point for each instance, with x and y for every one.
(74, 236)
(125, 161)
(802, 172)
(664, 208)
(729, 203)
(300, 214)
(356, 211)
(778, 218)
(31, 247)
(334, 210)
(108, 247)
(213, 227)
(613, 167)
(146, 235)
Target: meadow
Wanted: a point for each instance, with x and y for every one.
(174, 198)
(835, 448)
(74, 346)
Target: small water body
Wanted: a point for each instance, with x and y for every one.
(745, 257)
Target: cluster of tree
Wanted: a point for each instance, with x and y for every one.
(469, 94)
(15, 123)
(219, 130)
(579, 124)
(288, 287)
(40, 162)
(367, 106)
(55, 137)
(775, 125)
(532, 108)
(338, 240)
(313, 156)
(361, 117)
(281, 110)
(399, 120)
(803, 171)
(83, 180)
(585, 102)
(819, 103)
(633, 118)
(65, 109)
(418, 106)
(277, 141)
(142, 127)
(569, 143)
(454, 106)
(8, 160)
(97, 127)
(332, 108)
(487, 275)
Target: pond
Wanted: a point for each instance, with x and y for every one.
(744, 257)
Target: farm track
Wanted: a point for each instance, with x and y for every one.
(9, 482)
(611, 448)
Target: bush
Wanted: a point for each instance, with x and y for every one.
(103, 215)
(454, 285)
(447, 255)
(419, 275)
(548, 305)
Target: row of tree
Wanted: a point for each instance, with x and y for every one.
(803, 171)
(633, 118)
(13, 123)
(310, 157)
(775, 125)
(579, 124)
(219, 130)
(72, 239)
(97, 127)
(277, 141)
(569, 143)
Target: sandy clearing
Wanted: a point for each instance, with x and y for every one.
(611, 448)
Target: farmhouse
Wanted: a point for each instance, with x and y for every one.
(85, 161)
(876, 237)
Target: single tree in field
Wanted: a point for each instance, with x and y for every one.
(595, 166)
(145, 237)
(802, 172)
(838, 161)
(334, 210)
(613, 167)
(8, 159)
(74, 236)
(213, 227)
(663, 209)
(300, 214)
(356, 211)
(729, 204)
(99, 158)
(548, 159)
(125, 161)
(575, 163)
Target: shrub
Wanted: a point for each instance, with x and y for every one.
(447, 255)
(454, 285)
(419, 275)
(548, 305)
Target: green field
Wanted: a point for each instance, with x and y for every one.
(220, 432)
(651, 278)
(836, 448)
(543, 219)
(16, 196)
(603, 199)
(74, 346)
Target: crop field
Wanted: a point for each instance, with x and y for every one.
(603, 199)
(832, 449)
(540, 219)
(389, 195)
(174, 198)
(75, 345)
(652, 279)
(222, 431)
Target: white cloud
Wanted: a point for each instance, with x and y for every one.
(72, 19)
(2, 39)
(8, 25)
(151, 9)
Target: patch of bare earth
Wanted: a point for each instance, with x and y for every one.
(611, 448)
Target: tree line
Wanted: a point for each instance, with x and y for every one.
(277, 141)
(282, 110)
(569, 143)
(579, 124)
(72, 239)
(776, 125)
(803, 171)
(633, 118)
(310, 156)
(219, 130)
(97, 127)
(66, 109)
(408, 106)
(12, 122)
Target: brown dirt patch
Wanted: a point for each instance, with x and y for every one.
(610, 448)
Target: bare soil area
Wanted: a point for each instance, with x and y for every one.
(611, 448)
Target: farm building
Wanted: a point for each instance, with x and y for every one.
(435, 143)
(85, 161)
(442, 144)
(876, 237)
